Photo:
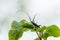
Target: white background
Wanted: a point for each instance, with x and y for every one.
(48, 13)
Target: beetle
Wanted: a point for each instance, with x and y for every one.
(34, 24)
(32, 21)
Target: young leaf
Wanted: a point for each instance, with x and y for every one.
(16, 31)
(53, 30)
(16, 25)
(26, 24)
(41, 29)
(15, 35)
(45, 35)
(37, 39)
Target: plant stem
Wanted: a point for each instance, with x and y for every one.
(38, 36)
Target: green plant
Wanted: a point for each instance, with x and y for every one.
(18, 28)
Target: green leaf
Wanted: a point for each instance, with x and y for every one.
(16, 25)
(41, 29)
(26, 24)
(16, 31)
(53, 30)
(45, 38)
(37, 39)
(33, 30)
(45, 35)
(15, 35)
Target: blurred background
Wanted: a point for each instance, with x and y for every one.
(48, 13)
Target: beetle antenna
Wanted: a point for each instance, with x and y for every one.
(34, 17)
(28, 15)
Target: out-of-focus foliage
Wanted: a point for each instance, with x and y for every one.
(41, 29)
(26, 24)
(47, 31)
(53, 30)
(18, 28)
(37, 39)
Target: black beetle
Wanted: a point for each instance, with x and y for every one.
(32, 21)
